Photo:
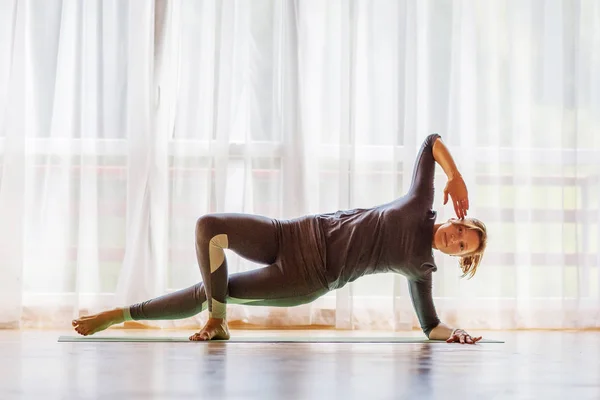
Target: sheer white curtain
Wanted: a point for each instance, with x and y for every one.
(122, 122)
(76, 121)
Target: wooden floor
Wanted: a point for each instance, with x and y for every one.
(530, 365)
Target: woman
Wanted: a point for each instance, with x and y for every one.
(309, 256)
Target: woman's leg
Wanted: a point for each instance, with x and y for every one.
(250, 236)
(181, 304)
(268, 286)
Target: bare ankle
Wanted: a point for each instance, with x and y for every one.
(117, 315)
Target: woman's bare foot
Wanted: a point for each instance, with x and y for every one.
(215, 329)
(98, 322)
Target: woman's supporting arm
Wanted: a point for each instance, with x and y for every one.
(422, 299)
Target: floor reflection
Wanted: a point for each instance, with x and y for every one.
(529, 365)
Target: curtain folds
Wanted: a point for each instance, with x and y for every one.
(121, 123)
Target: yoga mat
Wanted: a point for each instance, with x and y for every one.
(272, 339)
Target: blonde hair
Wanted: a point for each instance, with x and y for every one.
(470, 262)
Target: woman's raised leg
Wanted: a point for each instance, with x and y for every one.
(250, 236)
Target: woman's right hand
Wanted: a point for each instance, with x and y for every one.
(457, 190)
(460, 336)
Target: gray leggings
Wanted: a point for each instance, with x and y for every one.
(291, 277)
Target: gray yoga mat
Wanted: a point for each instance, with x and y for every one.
(272, 339)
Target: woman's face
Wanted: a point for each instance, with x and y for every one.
(456, 239)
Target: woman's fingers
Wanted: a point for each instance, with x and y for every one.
(458, 209)
(464, 203)
(463, 339)
(461, 207)
(471, 340)
(457, 189)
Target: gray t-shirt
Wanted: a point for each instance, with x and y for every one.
(393, 237)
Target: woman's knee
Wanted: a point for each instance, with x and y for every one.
(208, 226)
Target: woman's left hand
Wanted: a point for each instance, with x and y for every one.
(457, 189)
(461, 336)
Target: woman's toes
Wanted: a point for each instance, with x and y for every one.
(197, 337)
